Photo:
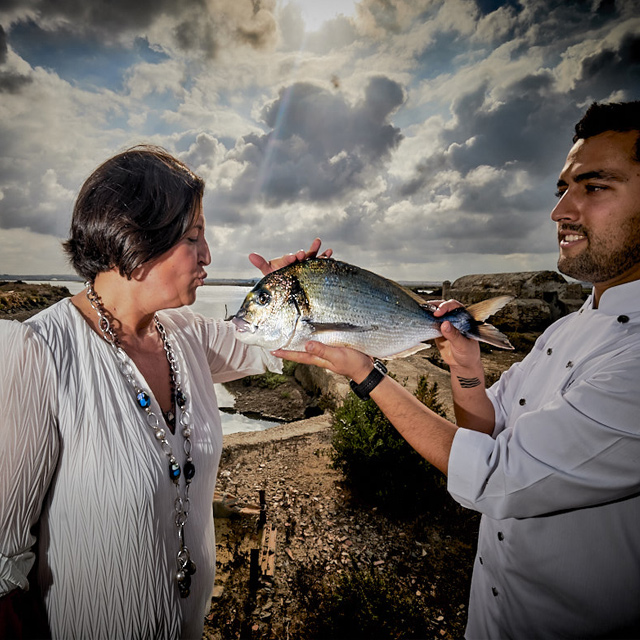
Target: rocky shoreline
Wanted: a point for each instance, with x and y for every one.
(20, 300)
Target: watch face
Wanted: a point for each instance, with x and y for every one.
(380, 366)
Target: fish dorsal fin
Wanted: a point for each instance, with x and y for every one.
(482, 310)
(412, 294)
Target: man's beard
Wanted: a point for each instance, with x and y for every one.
(597, 263)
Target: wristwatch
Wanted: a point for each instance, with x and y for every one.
(363, 389)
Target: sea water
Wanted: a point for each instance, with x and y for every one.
(214, 301)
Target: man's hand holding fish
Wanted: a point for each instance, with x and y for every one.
(428, 433)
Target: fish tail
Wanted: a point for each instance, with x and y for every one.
(489, 334)
(483, 331)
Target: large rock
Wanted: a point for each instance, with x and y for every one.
(540, 297)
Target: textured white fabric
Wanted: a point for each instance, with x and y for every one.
(559, 483)
(73, 440)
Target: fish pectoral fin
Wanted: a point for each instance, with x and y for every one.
(323, 327)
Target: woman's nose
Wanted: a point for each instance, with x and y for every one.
(205, 254)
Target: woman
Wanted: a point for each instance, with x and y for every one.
(110, 433)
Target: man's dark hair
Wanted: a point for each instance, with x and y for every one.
(613, 116)
(131, 209)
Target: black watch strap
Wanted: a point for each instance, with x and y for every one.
(363, 389)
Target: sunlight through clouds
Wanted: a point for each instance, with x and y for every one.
(405, 133)
(316, 12)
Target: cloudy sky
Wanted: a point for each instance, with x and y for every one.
(418, 138)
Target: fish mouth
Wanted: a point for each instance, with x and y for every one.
(242, 325)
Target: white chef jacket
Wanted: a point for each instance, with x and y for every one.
(78, 458)
(558, 483)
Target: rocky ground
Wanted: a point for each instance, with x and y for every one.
(323, 533)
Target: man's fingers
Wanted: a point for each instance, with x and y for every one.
(446, 306)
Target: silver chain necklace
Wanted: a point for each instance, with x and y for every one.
(185, 566)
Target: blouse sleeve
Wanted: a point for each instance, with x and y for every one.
(28, 446)
(580, 449)
(230, 359)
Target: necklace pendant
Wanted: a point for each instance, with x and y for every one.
(184, 584)
(186, 568)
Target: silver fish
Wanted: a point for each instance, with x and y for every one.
(340, 304)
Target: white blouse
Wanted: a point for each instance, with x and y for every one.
(79, 460)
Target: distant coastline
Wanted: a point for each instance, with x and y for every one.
(218, 282)
(233, 282)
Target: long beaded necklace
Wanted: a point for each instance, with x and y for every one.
(185, 566)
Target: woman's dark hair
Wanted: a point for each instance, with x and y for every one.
(131, 209)
(613, 116)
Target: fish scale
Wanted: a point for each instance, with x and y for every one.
(394, 320)
(338, 303)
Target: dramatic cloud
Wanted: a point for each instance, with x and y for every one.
(418, 137)
(320, 147)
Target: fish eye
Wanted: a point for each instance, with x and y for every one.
(264, 298)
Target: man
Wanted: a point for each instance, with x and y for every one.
(550, 455)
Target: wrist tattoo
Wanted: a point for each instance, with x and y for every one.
(468, 383)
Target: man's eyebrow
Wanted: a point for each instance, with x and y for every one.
(595, 175)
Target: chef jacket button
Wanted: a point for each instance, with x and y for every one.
(494, 591)
(500, 536)
(549, 351)
(623, 319)
(522, 402)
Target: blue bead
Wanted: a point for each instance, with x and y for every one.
(143, 400)
(181, 399)
(189, 470)
(174, 471)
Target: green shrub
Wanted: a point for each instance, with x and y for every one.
(378, 464)
(289, 367)
(359, 604)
